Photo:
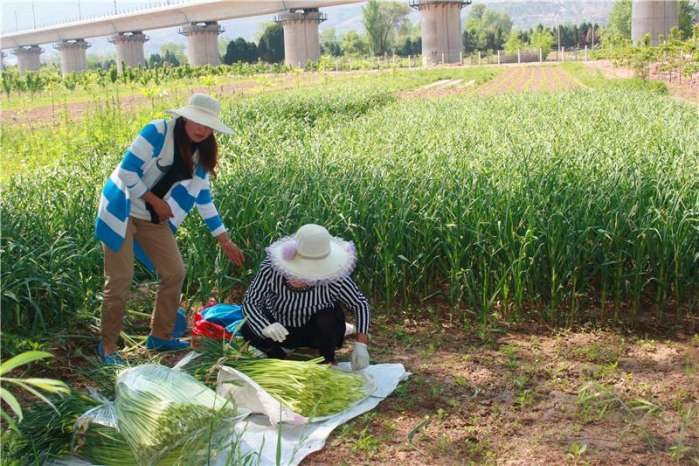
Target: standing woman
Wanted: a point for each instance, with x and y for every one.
(162, 176)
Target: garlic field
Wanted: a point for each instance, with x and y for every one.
(557, 207)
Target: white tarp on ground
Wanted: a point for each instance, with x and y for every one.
(298, 441)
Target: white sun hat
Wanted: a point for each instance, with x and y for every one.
(313, 256)
(202, 109)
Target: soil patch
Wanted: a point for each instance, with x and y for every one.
(77, 110)
(528, 78)
(521, 395)
(684, 88)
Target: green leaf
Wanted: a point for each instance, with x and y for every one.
(12, 402)
(48, 385)
(11, 295)
(34, 392)
(278, 456)
(22, 359)
(10, 422)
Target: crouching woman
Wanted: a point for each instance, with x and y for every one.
(296, 298)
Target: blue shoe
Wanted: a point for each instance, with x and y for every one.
(111, 359)
(160, 344)
(180, 324)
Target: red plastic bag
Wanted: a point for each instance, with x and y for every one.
(206, 329)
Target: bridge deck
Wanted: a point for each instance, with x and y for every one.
(157, 18)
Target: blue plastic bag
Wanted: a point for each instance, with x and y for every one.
(225, 315)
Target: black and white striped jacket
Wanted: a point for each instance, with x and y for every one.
(271, 299)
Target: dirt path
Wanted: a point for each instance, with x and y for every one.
(76, 110)
(682, 89)
(517, 79)
(512, 79)
(497, 395)
(609, 70)
(47, 114)
(439, 89)
(527, 398)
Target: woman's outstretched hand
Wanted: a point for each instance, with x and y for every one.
(231, 249)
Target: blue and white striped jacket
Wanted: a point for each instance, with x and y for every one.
(142, 166)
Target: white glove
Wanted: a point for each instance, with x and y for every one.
(350, 329)
(276, 332)
(360, 356)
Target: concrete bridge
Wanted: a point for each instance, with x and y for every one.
(198, 21)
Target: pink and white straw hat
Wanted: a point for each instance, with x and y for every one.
(313, 256)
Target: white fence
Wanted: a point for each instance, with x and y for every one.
(527, 55)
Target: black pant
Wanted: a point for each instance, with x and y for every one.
(325, 331)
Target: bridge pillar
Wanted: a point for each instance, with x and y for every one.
(72, 55)
(654, 18)
(28, 57)
(202, 42)
(129, 47)
(301, 39)
(441, 30)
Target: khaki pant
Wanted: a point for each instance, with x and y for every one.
(160, 246)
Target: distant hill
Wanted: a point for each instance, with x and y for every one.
(527, 14)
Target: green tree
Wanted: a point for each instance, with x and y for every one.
(620, 18)
(382, 20)
(222, 46)
(688, 15)
(270, 47)
(408, 29)
(618, 31)
(171, 59)
(513, 43)
(409, 46)
(355, 45)
(240, 50)
(155, 60)
(592, 36)
(94, 62)
(485, 29)
(175, 49)
(570, 35)
(408, 40)
(542, 39)
(329, 43)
